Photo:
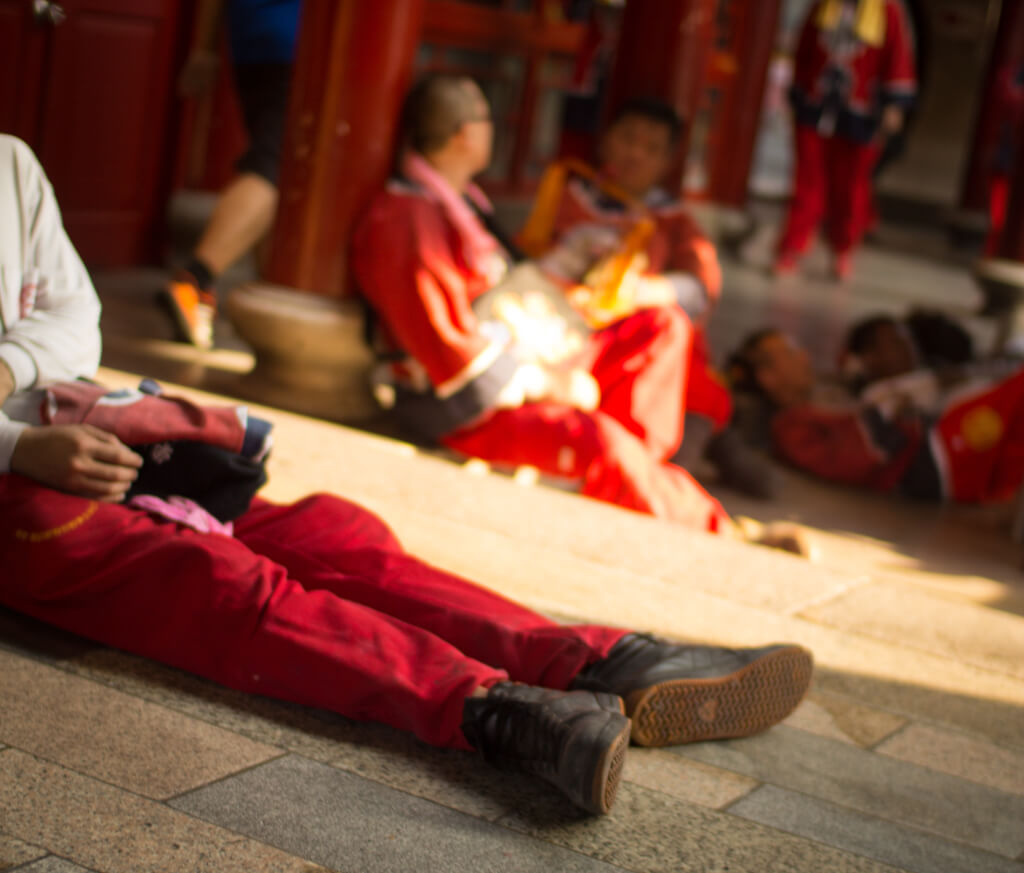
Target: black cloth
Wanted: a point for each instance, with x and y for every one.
(263, 95)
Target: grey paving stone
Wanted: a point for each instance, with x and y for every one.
(116, 737)
(650, 832)
(904, 847)
(107, 829)
(894, 790)
(958, 755)
(53, 864)
(392, 757)
(341, 820)
(14, 852)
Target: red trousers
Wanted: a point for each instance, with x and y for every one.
(619, 451)
(832, 181)
(315, 603)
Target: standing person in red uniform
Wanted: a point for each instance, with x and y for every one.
(682, 270)
(316, 602)
(607, 418)
(853, 81)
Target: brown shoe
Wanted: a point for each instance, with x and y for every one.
(678, 693)
(576, 740)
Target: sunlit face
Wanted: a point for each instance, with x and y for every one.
(477, 134)
(782, 369)
(636, 153)
(890, 353)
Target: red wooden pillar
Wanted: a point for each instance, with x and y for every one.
(663, 52)
(1007, 47)
(749, 28)
(353, 65)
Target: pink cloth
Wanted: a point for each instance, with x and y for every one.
(478, 246)
(183, 511)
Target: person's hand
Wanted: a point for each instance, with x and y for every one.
(199, 74)
(574, 387)
(77, 458)
(892, 121)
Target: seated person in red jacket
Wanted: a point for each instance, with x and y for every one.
(315, 602)
(607, 417)
(929, 435)
(592, 218)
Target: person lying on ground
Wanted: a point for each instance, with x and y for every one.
(929, 435)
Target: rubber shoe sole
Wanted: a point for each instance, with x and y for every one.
(608, 769)
(742, 703)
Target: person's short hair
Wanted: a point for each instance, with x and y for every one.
(741, 368)
(862, 335)
(652, 109)
(435, 109)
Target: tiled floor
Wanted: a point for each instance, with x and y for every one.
(908, 754)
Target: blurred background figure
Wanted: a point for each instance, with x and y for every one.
(261, 36)
(854, 78)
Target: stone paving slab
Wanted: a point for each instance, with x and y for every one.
(650, 832)
(696, 783)
(449, 777)
(53, 865)
(987, 638)
(349, 823)
(101, 827)
(890, 789)
(14, 852)
(958, 755)
(838, 718)
(903, 847)
(115, 737)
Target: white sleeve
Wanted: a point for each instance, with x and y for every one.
(60, 337)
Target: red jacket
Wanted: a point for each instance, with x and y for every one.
(841, 84)
(408, 261)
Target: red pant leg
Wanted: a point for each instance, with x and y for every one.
(614, 465)
(331, 544)
(849, 166)
(810, 181)
(640, 364)
(211, 605)
(706, 393)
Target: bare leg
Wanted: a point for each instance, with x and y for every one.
(242, 217)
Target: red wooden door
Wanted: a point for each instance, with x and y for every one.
(94, 99)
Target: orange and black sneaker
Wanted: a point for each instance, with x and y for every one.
(192, 309)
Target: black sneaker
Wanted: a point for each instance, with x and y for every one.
(677, 693)
(576, 740)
